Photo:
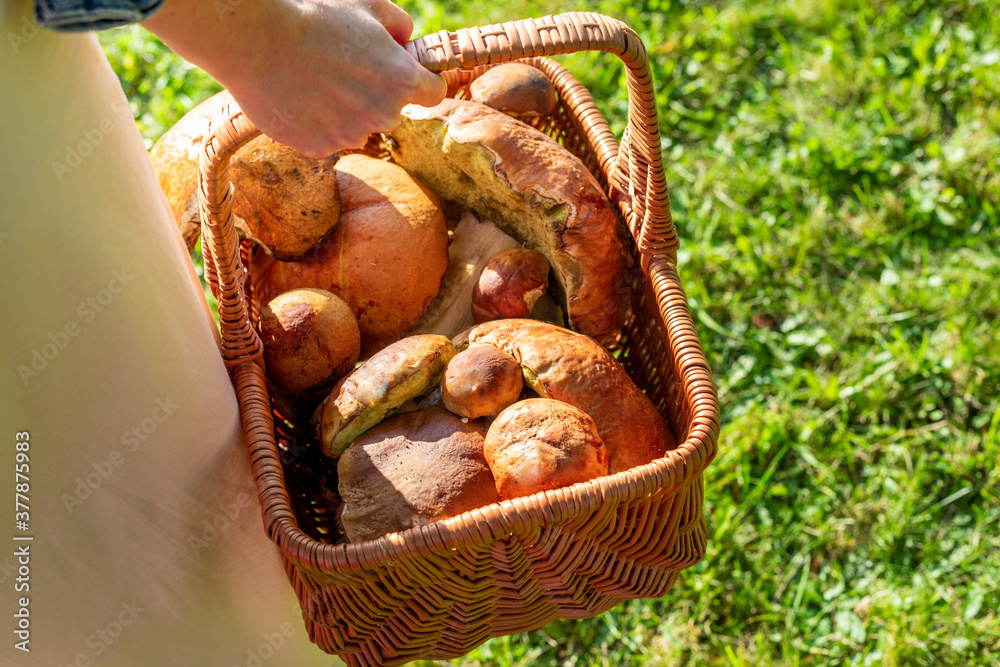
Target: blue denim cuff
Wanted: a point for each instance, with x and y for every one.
(80, 15)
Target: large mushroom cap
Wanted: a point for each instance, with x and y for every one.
(283, 200)
(175, 158)
(412, 469)
(533, 189)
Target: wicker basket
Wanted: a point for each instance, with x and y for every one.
(438, 591)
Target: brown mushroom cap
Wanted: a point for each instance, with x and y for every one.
(386, 258)
(175, 158)
(532, 188)
(401, 372)
(539, 444)
(510, 284)
(570, 367)
(480, 382)
(283, 200)
(412, 469)
(517, 89)
(311, 340)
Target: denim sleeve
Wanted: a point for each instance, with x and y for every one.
(79, 15)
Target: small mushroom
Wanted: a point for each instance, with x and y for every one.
(517, 89)
(480, 382)
(539, 444)
(473, 242)
(311, 340)
(510, 284)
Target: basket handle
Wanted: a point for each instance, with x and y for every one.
(638, 175)
(224, 269)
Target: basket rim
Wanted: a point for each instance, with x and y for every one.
(493, 522)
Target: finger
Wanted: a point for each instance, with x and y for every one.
(395, 20)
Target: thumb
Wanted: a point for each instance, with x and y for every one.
(431, 88)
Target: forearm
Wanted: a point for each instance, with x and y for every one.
(220, 37)
(316, 75)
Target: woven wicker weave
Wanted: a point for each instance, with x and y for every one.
(438, 591)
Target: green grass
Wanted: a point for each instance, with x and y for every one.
(834, 176)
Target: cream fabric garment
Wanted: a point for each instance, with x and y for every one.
(148, 547)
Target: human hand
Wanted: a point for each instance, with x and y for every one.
(316, 75)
